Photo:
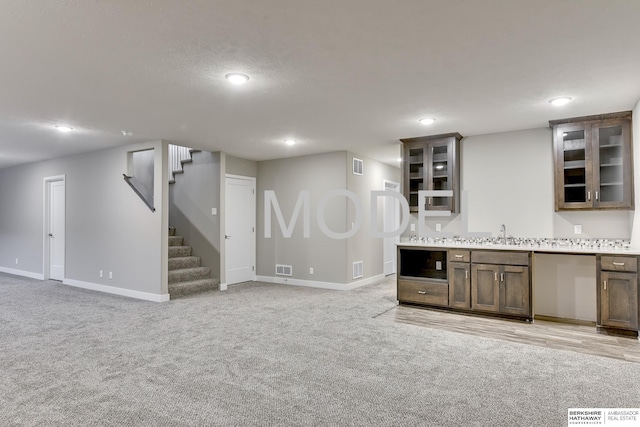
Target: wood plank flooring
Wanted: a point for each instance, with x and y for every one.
(562, 336)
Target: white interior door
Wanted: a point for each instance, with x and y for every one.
(56, 229)
(240, 222)
(391, 223)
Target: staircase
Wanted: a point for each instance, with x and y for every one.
(186, 276)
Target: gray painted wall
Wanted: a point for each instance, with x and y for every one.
(287, 177)
(331, 259)
(108, 227)
(242, 167)
(191, 198)
(363, 246)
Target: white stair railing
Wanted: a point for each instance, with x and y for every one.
(177, 154)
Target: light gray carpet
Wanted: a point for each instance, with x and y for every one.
(275, 355)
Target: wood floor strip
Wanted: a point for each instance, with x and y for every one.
(580, 338)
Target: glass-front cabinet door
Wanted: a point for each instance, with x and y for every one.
(593, 165)
(612, 158)
(573, 171)
(440, 174)
(431, 163)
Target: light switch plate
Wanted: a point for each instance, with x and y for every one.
(438, 227)
(413, 227)
(214, 211)
(577, 229)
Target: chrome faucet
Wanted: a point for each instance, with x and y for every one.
(503, 230)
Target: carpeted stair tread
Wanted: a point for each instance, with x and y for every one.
(192, 287)
(176, 241)
(179, 251)
(172, 231)
(189, 274)
(178, 263)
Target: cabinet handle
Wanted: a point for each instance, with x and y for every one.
(620, 264)
(589, 196)
(597, 199)
(495, 276)
(422, 292)
(502, 277)
(459, 256)
(466, 274)
(605, 285)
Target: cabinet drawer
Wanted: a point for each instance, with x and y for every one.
(618, 263)
(456, 255)
(423, 292)
(500, 257)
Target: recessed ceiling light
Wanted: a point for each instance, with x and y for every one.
(290, 141)
(237, 78)
(427, 122)
(560, 101)
(62, 128)
(127, 132)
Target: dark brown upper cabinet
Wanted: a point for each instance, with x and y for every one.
(432, 163)
(593, 162)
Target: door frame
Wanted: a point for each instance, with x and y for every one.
(252, 250)
(46, 255)
(397, 222)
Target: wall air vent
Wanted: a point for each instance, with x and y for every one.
(357, 166)
(358, 267)
(284, 270)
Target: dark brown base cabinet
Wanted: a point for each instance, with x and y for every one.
(618, 294)
(504, 285)
(489, 282)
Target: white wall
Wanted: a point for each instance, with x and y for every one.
(108, 227)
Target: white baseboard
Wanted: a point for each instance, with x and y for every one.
(117, 291)
(322, 285)
(222, 286)
(38, 276)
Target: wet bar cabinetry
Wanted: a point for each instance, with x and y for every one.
(422, 277)
(593, 162)
(432, 163)
(479, 281)
(617, 279)
(501, 282)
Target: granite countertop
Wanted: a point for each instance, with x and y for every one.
(548, 245)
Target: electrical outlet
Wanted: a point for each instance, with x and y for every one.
(438, 227)
(310, 270)
(214, 211)
(413, 227)
(16, 261)
(110, 275)
(101, 274)
(577, 229)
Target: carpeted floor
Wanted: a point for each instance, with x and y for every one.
(275, 355)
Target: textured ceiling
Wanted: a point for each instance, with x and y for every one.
(335, 75)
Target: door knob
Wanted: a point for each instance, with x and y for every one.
(227, 236)
(50, 235)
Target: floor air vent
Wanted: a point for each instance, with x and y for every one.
(284, 270)
(357, 166)
(358, 269)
